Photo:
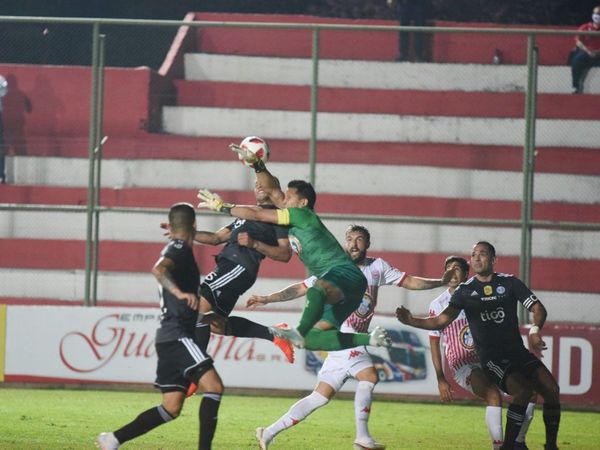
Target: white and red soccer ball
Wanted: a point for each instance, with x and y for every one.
(256, 145)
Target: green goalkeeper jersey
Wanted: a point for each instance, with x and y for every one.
(318, 249)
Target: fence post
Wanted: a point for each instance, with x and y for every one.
(98, 157)
(314, 91)
(528, 166)
(93, 136)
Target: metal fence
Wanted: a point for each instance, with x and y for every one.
(571, 237)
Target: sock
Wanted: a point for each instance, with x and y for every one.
(241, 327)
(328, 340)
(528, 418)
(209, 410)
(298, 412)
(493, 419)
(551, 414)
(313, 309)
(143, 423)
(514, 419)
(202, 336)
(362, 409)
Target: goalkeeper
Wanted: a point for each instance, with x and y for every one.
(340, 285)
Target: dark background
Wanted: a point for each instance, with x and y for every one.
(146, 46)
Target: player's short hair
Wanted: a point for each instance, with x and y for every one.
(305, 190)
(353, 228)
(462, 262)
(490, 247)
(182, 216)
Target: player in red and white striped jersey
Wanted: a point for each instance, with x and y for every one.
(464, 362)
(353, 362)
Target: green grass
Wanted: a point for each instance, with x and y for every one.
(70, 419)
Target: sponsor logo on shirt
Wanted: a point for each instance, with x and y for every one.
(365, 307)
(295, 244)
(474, 294)
(466, 339)
(497, 316)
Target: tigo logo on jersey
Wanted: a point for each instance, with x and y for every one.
(497, 316)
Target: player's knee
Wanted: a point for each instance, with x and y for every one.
(369, 376)
(172, 409)
(493, 397)
(522, 395)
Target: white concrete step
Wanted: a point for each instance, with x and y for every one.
(352, 127)
(376, 179)
(388, 237)
(141, 288)
(381, 75)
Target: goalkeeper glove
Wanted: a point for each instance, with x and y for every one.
(212, 201)
(247, 156)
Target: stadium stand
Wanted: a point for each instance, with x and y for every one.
(438, 139)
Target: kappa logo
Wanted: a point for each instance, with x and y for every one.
(354, 354)
(474, 294)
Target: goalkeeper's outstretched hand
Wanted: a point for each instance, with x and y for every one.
(244, 154)
(213, 201)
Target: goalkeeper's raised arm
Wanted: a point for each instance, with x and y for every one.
(211, 200)
(264, 178)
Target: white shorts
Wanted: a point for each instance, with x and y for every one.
(462, 375)
(343, 364)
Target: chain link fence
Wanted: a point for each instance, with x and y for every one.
(470, 134)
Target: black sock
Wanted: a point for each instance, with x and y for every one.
(209, 409)
(143, 423)
(551, 420)
(241, 327)
(202, 336)
(514, 419)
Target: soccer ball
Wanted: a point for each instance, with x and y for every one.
(256, 145)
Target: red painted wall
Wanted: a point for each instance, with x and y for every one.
(371, 45)
(45, 104)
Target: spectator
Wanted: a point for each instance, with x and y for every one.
(586, 53)
(410, 12)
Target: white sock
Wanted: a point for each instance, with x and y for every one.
(362, 409)
(296, 413)
(493, 419)
(528, 418)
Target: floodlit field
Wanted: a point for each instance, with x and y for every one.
(70, 419)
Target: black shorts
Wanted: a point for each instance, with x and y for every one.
(224, 286)
(179, 362)
(499, 366)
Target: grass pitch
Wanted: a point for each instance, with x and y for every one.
(70, 419)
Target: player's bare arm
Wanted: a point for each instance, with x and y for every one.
(291, 292)
(212, 238)
(436, 358)
(280, 252)
(428, 323)
(419, 283)
(267, 182)
(213, 201)
(539, 319)
(162, 272)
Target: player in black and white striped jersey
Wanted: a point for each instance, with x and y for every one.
(180, 360)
